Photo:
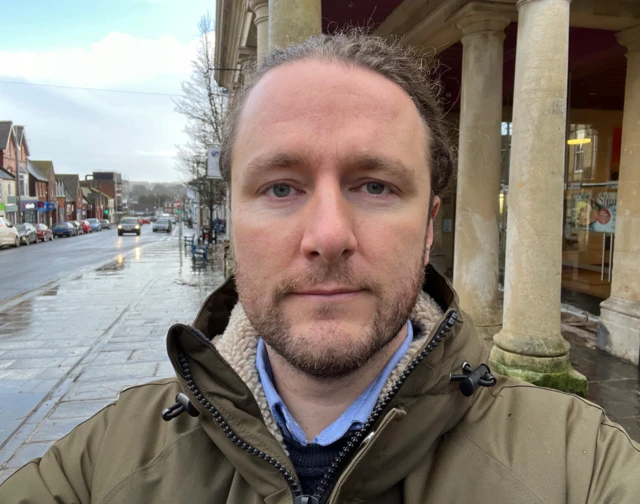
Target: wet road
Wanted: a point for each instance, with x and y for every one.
(29, 267)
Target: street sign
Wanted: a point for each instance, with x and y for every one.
(213, 163)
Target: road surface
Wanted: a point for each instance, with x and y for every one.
(29, 267)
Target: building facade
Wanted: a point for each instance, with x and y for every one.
(73, 195)
(543, 97)
(47, 204)
(14, 151)
(8, 205)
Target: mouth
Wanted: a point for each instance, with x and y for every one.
(336, 294)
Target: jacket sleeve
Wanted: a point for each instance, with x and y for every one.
(616, 468)
(64, 475)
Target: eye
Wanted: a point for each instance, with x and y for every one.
(280, 190)
(376, 188)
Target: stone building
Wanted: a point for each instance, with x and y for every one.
(544, 97)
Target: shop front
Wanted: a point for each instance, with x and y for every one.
(29, 210)
(8, 209)
(46, 210)
(591, 196)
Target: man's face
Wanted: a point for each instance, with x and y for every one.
(330, 202)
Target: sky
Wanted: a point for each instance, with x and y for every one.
(129, 49)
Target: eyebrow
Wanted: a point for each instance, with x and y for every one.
(262, 164)
(360, 161)
(375, 163)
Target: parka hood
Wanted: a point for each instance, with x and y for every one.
(220, 349)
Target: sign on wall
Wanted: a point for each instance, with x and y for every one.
(213, 163)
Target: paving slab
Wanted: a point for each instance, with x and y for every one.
(26, 453)
(54, 429)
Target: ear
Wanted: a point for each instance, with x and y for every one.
(432, 217)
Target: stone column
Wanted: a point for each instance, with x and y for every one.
(260, 9)
(292, 21)
(476, 254)
(619, 328)
(530, 345)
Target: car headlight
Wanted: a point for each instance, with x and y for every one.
(119, 226)
(137, 226)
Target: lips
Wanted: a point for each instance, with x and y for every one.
(328, 291)
(328, 294)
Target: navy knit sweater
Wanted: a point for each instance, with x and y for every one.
(311, 462)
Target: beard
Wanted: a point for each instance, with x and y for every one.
(337, 352)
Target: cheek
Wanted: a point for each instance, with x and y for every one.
(393, 248)
(261, 249)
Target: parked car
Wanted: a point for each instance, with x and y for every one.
(162, 224)
(105, 224)
(27, 233)
(172, 219)
(8, 234)
(44, 233)
(129, 225)
(86, 227)
(64, 229)
(95, 224)
(76, 224)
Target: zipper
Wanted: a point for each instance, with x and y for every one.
(356, 439)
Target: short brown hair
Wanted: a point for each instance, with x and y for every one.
(409, 68)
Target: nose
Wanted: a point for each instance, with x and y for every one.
(329, 226)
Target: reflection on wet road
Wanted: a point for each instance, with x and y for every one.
(27, 268)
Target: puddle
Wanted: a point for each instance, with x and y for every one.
(112, 267)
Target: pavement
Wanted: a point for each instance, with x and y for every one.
(69, 348)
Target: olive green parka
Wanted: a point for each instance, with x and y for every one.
(425, 441)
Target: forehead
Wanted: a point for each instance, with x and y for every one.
(326, 107)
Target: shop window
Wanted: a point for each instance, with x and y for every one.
(582, 153)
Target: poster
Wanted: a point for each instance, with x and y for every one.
(596, 211)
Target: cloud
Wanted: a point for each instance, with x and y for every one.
(116, 60)
(170, 153)
(83, 130)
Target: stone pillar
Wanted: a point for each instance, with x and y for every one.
(292, 21)
(530, 345)
(619, 328)
(260, 9)
(476, 254)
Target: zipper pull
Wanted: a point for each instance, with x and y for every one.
(182, 404)
(306, 499)
(472, 379)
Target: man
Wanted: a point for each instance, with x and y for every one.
(329, 368)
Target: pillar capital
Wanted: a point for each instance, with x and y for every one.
(520, 3)
(630, 38)
(483, 22)
(261, 9)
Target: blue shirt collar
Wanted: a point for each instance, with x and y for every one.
(352, 419)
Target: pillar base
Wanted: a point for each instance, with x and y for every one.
(619, 328)
(552, 372)
(568, 381)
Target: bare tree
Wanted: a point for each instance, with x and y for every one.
(203, 104)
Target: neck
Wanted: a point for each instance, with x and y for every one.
(317, 403)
